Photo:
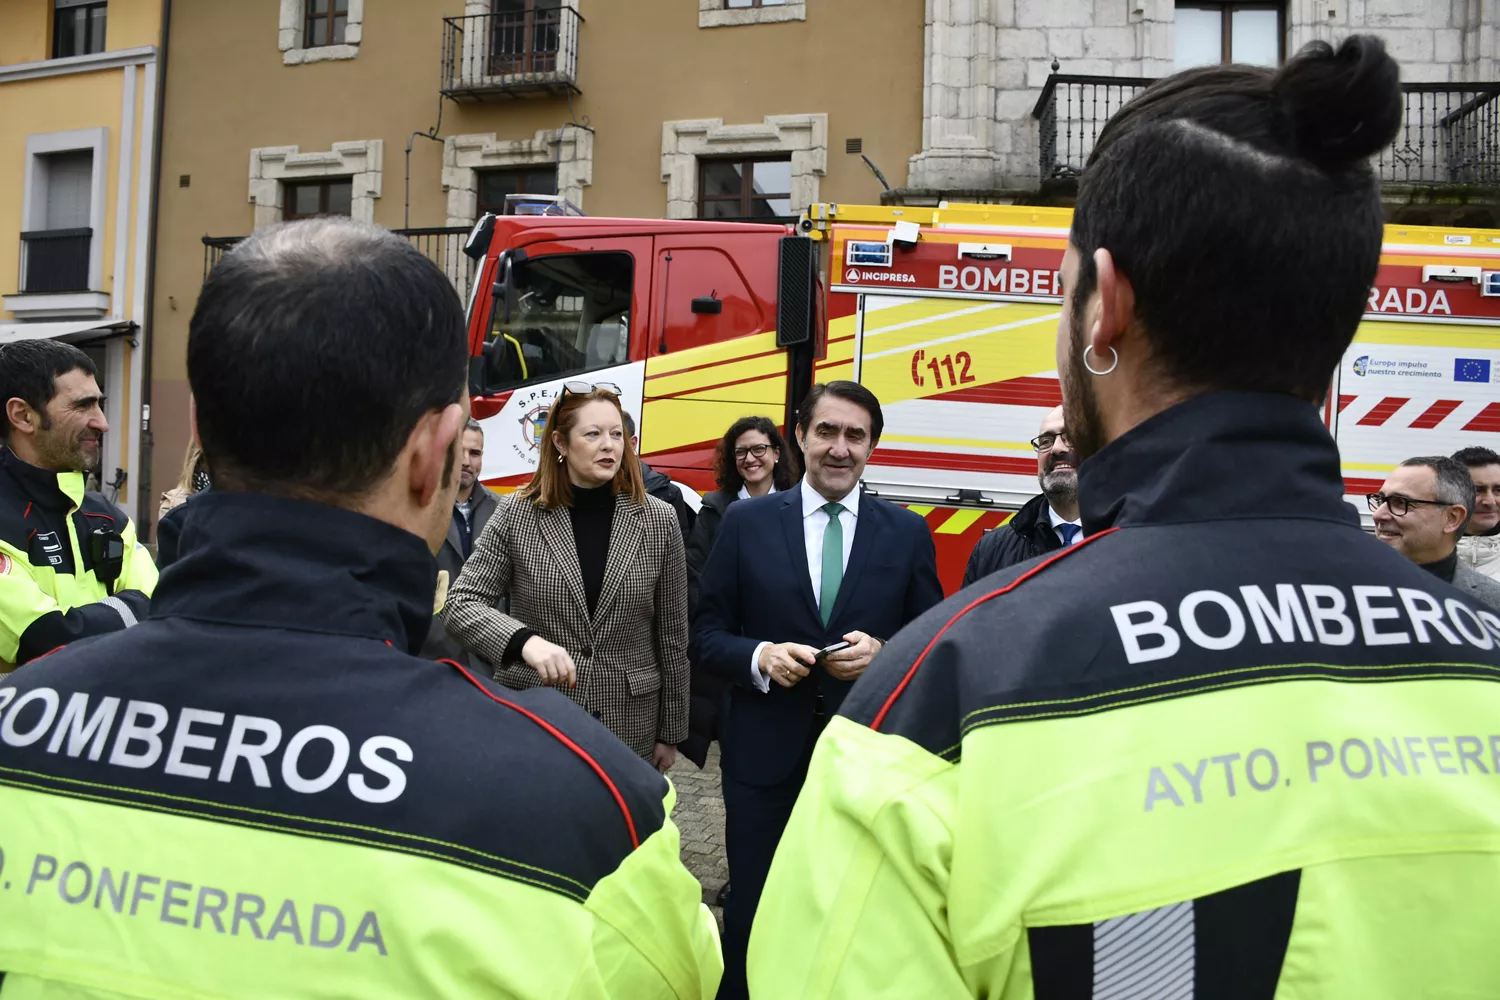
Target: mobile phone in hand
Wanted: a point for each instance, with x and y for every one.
(836, 647)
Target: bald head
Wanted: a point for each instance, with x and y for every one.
(315, 349)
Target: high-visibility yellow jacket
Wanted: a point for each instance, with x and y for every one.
(50, 590)
(1228, 746)
(261, 791)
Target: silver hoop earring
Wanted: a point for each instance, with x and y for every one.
(1114, 361)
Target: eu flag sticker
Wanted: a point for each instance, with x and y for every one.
(1471, 370)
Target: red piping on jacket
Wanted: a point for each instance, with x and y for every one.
(912, 671)
(635, 840)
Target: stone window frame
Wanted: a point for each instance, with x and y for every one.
(360, 160)
(570, 149)
(683, 143)
(717, 14)
(289, 35)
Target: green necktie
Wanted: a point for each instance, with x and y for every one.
(833, 560)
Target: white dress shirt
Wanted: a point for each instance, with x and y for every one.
(814, 525)
(1057, 520)
(744, 493)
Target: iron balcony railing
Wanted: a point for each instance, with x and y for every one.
(55, 260)
(527, 53)
(1450, 135)
(443, 245)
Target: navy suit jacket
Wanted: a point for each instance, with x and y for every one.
(755, 588)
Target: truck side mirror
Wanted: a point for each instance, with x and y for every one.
(796, 291)
(478, 243)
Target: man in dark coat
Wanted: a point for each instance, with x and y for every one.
(1047, 522)
(471, 512)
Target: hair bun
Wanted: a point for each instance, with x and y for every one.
(1344, 104)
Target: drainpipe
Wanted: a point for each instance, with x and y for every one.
(144, 507)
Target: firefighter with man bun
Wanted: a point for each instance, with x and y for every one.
(1229, 745)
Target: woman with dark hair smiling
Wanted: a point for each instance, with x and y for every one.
(594, 570)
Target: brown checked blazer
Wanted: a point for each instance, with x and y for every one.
(631, 656)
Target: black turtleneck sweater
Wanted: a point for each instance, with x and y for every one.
(593, 514)
(1443, 568)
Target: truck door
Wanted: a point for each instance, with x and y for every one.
(578, 310)
(711, 357)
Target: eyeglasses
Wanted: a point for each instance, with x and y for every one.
(1397, 504)
(580, 388)
(758, 450)
(1044, 442)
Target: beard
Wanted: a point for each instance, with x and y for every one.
(1062, 488)
(1080, 405)
(62, 454)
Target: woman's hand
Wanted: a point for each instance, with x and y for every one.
(663, 757)
(550, 661)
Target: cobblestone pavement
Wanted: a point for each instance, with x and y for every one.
(700, 818)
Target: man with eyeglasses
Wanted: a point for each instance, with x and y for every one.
(1421, 512)
(1047, 522)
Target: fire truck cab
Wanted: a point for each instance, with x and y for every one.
(948, 314)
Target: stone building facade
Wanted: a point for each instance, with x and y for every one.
(988, 62)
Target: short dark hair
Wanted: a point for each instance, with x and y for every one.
(727, 470)
(851, 391)
(628, 421)
(1241, 205)
(315, 348)
(29, 370)
(473, 425)
(1453, 483)
(1476, 456)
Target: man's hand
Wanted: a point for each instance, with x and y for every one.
(786, 663)
(663, 757)
(551, 662)
(847, 664)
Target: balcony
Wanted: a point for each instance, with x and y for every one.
(55, 260)
(443, 245)
(533, 53)
(1449, 138)
(55, 265)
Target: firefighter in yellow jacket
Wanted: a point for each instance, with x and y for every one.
(1229, 745)
(70, 563)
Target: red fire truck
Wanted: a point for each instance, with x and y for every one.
(948, 314)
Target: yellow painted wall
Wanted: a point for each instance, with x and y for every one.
(132, 24)
(25, 30)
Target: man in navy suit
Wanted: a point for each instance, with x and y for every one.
(791, 573)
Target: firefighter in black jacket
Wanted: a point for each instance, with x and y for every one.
(70, 564)
(1046, 522)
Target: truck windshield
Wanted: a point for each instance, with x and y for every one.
(572, 315)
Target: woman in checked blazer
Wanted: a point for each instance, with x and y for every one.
(596, 577)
